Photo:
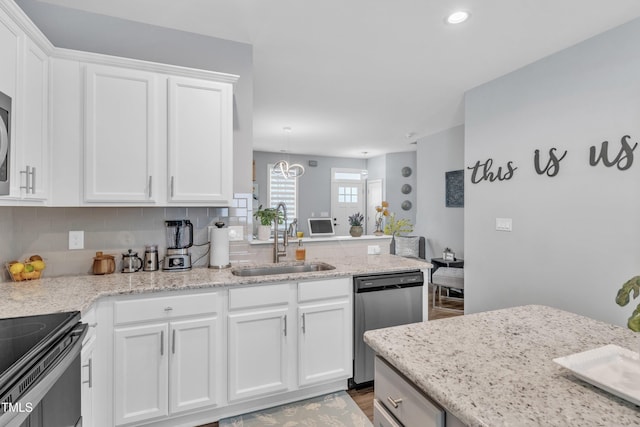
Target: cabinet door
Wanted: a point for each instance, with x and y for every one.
(141, 372)
(32, 141)
(200, 141)
(86, 358)
(120, 134)
(258, 353)
(194, 366)
(324, 342)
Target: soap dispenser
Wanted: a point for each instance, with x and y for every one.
(301, 251)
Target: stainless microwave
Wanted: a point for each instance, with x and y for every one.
(5, 143)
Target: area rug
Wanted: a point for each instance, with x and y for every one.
(335, 409)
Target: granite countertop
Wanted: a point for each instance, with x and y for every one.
(496, 368)
(49, 295)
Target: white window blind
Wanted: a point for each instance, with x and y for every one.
(285, 190)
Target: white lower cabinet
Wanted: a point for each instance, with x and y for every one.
(164, 368)
(259, 341)
(86, 386)
(187, 358)
(325, 331)
(141, 373)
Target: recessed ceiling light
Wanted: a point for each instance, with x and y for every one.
(458, 17)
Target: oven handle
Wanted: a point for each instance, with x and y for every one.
(39, 389)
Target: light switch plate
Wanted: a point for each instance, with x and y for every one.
(504, 224)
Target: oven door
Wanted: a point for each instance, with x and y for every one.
(54, 400)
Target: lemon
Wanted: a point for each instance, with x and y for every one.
(16, 268)
(38, 265)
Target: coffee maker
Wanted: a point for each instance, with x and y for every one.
(179, 240)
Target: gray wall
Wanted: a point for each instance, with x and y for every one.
(575, 236)
(314, 187)
(78, 30)
(442, 226)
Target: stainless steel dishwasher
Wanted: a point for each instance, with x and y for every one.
(381, 301)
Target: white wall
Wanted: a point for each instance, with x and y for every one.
(442, 226)
(576, 236)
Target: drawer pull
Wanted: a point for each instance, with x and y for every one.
(394, 402)
(167, 309)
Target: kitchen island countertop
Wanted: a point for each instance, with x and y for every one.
(70, 293)
(496, 368)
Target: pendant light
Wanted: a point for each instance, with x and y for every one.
(283, 167)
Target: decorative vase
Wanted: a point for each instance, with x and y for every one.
(264, 232)
(378, 231)
(355, 231)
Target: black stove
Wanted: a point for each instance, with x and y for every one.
(30, 348)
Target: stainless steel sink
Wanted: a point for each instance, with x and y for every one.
(264, 270)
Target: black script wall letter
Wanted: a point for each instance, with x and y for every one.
(553, 164)
(623, 160)
(484, 169)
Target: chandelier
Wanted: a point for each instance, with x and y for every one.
(283, 167)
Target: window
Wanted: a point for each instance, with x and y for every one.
(285, 190)
(347, 194)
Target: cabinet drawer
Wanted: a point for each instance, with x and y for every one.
(165, 307)
(259, 296)
(403, 400)
(381, 417)
(322, 289)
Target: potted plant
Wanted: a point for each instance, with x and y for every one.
(355, 221)
(267, 217)
(623, 297)
(397, 226)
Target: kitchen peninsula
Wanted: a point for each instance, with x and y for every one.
(496, 368)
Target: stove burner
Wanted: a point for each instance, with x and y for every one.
(21, 330)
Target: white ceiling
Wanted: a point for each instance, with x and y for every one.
(354, 76)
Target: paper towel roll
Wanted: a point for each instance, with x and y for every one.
(219, 253)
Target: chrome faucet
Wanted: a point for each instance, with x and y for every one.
(277, 253)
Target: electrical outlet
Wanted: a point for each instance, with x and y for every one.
(236, 233)
(373, 250)
(76, 239)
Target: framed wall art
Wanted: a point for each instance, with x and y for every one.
(454, 181)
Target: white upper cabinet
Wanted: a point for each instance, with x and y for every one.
(24, 78)
(120, 134)
(32, 147)
(200, 150)
(152, 138)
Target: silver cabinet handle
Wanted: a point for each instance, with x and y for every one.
(27, 177)
(150, 186)
(168, 308)
(33, 180)
(90, 379)
(161, 343)
(285, 325)
(173, 342)
(172, 186)
(394, 402)
(304, 323)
